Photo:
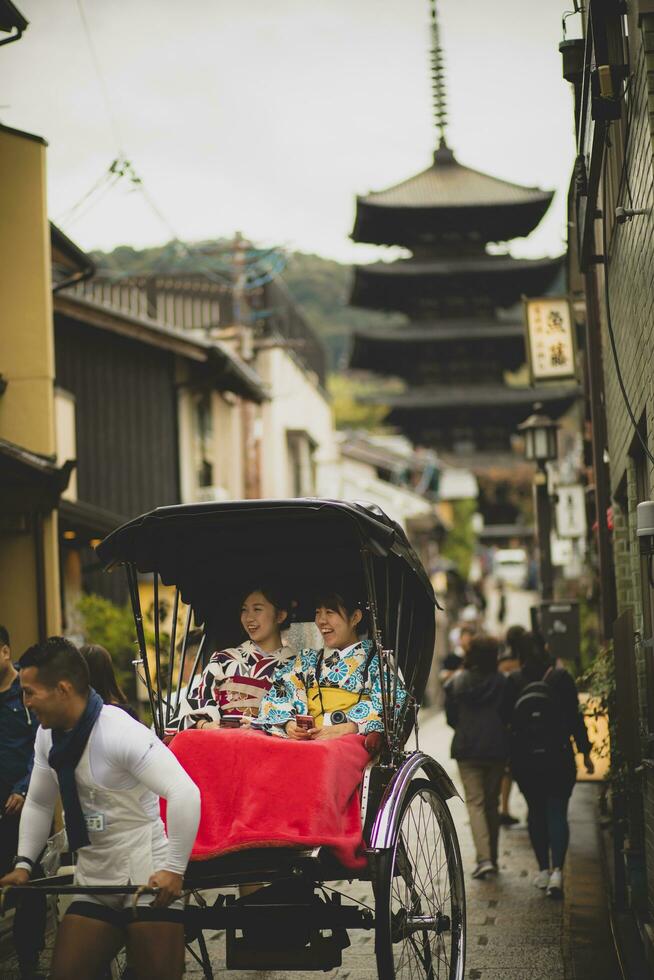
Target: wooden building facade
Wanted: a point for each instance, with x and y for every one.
(151, 414)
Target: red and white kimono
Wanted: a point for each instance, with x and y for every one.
(234, 682)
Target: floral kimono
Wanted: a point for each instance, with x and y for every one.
(321, 681)
(233, 682)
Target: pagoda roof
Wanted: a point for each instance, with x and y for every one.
(385, 349)
(555, 398)
(445, 199)
(411, 284)
(487, 416)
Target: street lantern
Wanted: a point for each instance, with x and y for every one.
(540, 432)
(541, 447)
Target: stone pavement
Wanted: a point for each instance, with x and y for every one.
(514, 931)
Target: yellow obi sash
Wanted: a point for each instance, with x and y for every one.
(333, 699)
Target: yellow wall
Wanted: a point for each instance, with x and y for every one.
(18, 610)
(27, 363)
(26, 334)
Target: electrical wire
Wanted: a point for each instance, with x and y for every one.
(106, 176)
(100, 76)
(78, 214)
(607, 299)
(122, 167)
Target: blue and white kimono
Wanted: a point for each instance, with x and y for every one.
(354, 670)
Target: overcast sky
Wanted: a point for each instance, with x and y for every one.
(269, 116)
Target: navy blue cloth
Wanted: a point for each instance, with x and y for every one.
(549, 831)
(18, 728)
(67, 749)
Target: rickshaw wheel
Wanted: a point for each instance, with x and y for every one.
(420, 894)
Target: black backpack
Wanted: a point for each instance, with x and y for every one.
(537, 739)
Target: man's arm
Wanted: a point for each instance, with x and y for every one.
(36, 816)
(157, 768)
(139, 753)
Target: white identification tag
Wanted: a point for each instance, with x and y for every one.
(94, 821)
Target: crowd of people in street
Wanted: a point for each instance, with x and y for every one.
(515, 714)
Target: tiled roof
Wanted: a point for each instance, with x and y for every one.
(457, 266)
(448, 184)
(443, 330)
(473, 396)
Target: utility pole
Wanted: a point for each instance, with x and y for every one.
(543, 511)
(249, 411)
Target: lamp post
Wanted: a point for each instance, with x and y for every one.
(541, 447)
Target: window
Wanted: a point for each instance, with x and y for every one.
(301, 463)
(204, 448)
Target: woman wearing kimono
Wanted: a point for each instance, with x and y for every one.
(235, 680)
(339, 685)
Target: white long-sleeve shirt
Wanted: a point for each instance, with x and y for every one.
(123, 755)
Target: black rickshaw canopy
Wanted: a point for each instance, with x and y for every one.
(213, 552)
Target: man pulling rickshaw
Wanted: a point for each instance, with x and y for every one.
(110, 771)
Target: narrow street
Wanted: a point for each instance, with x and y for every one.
(514, 931)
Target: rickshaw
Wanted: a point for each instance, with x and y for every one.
(203, 556)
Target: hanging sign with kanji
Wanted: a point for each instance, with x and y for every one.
(571, 511)
(550, 339)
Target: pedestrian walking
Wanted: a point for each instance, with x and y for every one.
(473, 702)
(18, 728)
(460, 639)
(509, 662)
(501, 604)
(542, 709)
(110, 771)
(103, 678)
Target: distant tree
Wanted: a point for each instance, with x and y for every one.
(321, 287)
(349, 413)
(459, 545)
(112, 627)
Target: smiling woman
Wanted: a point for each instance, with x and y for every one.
(229, 692)
(338, 687)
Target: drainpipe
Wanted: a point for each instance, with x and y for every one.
(39, 556)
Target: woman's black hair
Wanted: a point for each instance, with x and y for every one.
(513, 636)
(533, 656)
(101, 674)
(482, 654)
(344, 603)
(280, 602)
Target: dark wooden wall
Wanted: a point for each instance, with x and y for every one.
(126, 411)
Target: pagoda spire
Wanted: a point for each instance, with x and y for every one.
(439, 95)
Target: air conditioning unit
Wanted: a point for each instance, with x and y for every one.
(204, 494)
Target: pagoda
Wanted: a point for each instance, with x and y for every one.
(463, 333)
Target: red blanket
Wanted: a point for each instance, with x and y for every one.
(263, 791)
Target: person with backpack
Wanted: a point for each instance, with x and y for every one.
(473, 701)
(542, 711)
